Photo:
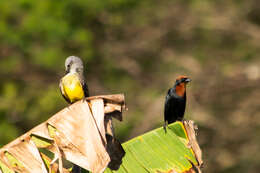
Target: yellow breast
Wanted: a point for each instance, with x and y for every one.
(72, 87)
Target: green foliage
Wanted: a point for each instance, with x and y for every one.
(138, 47)
(36, 37)
(157, 151)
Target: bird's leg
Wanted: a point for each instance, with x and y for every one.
(83, 100)
(68, 107)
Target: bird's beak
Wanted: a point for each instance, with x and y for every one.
(187, 80)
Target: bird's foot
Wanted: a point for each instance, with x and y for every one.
(68, 107)
(83, 100)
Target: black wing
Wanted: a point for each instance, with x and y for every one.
(167, 107)
(174, 108)
(85, 89)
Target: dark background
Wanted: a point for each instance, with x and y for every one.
(138, 48)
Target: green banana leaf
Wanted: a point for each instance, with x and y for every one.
(158, 151)
(4, 168)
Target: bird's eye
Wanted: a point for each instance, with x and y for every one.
(69, 64)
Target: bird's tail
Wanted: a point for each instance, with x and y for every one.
(165, 125)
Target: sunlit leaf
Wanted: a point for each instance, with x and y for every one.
(157, 151)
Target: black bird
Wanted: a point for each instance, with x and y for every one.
(175, 101)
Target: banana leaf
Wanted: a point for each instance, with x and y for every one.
(175, 150)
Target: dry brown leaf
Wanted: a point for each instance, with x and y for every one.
(80, 133)
(190, 129)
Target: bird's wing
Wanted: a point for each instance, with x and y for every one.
(62, 92)
(167, 107)
(84, 85)
(172, 108)
(85, 89)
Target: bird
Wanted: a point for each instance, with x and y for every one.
(73, 86)
(175, 101)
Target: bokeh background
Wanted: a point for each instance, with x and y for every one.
(138, 48)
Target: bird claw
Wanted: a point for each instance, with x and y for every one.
(68, 107)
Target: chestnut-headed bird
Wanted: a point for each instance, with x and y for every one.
(175, 101)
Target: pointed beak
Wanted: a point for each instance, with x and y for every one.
(187, 80)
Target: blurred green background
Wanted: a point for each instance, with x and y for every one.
(138, 48)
